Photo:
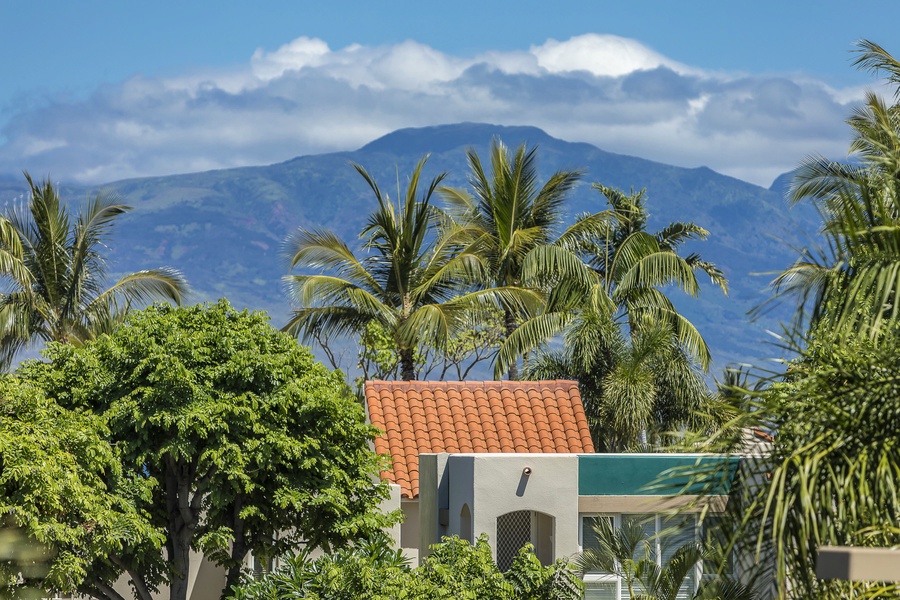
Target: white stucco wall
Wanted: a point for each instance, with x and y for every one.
(495, 484)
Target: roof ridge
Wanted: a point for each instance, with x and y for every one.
(473, 416)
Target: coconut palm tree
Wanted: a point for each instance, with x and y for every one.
(614, 267)
(409, 282)
(54, 272)
(507, 215)
(852, 281)
(636, 389)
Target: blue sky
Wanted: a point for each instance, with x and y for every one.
(99, 90)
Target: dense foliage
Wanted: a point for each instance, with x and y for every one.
(72, 514)
(454, 570)
(411, 282)
(831, 473)
(852, 282)
(243, 435)
(638, 361)
(507, 215)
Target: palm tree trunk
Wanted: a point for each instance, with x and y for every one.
(407, 364)
(509, 321)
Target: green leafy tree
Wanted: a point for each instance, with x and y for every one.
(475, 342)
(245, 435)
(409, 282)
(71, 513)
(507, 215)
(55, 273)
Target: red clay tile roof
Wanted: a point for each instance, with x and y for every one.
(472, 416)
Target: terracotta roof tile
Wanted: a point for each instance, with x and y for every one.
(472, 416)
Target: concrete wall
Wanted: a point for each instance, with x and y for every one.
(557, 486)
(434, 494)
(390, 504)
(501, 486)
(205, 581)
(491, 485)
(409, 530)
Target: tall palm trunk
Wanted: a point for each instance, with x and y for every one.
(407, 364)
(509, 321)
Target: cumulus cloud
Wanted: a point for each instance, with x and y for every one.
(306, 97)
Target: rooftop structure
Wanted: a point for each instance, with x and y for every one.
(473, 417)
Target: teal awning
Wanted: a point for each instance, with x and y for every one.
(654, 474)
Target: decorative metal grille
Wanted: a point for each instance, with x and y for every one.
(513, 532)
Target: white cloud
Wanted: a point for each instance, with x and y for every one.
(306, 98)
(601, 55)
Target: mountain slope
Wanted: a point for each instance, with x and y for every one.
(225, 228)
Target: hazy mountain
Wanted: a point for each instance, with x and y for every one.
(225, 228)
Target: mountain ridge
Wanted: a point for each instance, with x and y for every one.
(225, 228)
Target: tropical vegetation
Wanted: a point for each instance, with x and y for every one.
(213, 430)
(628, 553)
(455, 569)
(54, 273)
(506, 216)
(638, 361)
(409, 283)
(143, 434)
(832, 471)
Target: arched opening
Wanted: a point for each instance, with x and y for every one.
(515, 529)
(465, 523)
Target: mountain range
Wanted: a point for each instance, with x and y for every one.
(225, 229)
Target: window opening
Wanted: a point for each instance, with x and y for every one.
(665, 535)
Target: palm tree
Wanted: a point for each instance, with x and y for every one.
(614, 267)
(633, 264)
(409, 282)
(636, 390)
(852, 282)
(506, 216)
(55, 273)
(830, 473)
(628, 553)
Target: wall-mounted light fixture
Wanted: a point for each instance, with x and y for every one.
(526, 471)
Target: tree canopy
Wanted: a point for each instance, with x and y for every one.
(407, 283)
(241, 432)
(72, 514)
(507, 215)
(831, 471)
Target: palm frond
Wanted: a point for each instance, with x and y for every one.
(659, 269)
(305, 323)
(527, 337)
(872, 57)
(151, 285)
(548, 263)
